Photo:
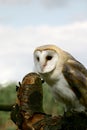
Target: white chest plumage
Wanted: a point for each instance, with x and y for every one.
(62, 90)
(63, 93)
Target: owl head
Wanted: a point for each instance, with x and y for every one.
(46, 58)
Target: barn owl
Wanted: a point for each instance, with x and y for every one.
(66, 76)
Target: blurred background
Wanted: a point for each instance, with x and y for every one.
(26, 24)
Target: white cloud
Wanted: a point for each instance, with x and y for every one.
(48, 3)
(53, 3)
(14, 2)
(61, 3)
(17, 46)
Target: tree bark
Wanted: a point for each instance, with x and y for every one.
(5, 107)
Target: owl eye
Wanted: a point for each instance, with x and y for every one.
(37, 58)
(49, 57)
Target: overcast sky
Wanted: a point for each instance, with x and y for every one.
(26, 24)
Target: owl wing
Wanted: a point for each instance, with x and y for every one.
(76, 75)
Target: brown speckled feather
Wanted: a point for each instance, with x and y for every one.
(76, 75)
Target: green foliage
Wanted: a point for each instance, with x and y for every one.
(49, 104)
(10, 128)
(8, 94)
(7, 97)
(4, 116)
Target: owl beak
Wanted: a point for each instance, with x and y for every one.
(44, 65)
(42, 68)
